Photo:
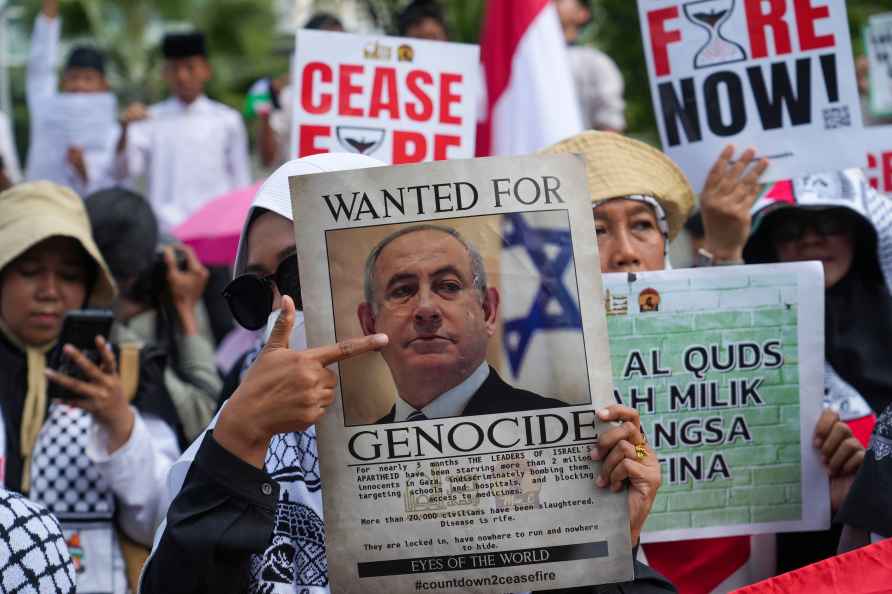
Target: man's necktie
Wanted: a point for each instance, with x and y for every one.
(416, 415)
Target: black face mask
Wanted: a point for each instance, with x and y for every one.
(250, 296)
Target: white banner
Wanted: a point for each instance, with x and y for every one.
(492, 489)
(878, 47)
(396, 99)
(774, 75)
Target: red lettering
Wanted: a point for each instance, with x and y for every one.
(308, 80)
(346, 89)
(806, 15)
(385, 78)
(307, 139)
(660, 37)
(872, 164)
(424, 109)
(442, 142)
(887, 171)
(408, 147)
(757, 21)
(447, 98)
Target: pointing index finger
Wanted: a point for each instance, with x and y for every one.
(347, 349)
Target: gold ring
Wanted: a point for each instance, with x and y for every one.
(641, 451)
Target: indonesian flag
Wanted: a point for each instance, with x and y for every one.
(531, 101)
(862, 571)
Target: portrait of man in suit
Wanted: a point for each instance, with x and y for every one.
(425, 286)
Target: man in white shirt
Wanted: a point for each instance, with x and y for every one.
(190, 149)
(85, 165)
(425, 287)
(599, 83)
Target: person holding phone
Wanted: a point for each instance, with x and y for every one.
(98, 457)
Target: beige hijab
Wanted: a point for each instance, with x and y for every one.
(29, 214)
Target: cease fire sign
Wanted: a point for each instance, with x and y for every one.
(396, 99)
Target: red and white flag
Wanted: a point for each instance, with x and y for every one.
(531, 100)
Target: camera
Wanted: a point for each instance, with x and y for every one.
(151, 284)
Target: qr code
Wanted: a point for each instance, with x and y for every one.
(837, 117)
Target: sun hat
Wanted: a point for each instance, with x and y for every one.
(34, 211)
(617, 166)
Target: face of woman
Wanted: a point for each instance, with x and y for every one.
(270, 240)
(826, 236)
(38, 287)
(629, 237)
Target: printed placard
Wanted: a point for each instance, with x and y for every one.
(492, 487)
(777, 76)
(396, 99)
(725, 366)
(878, 46)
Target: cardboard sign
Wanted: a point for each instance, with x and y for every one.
(396, 99)
(777, 75)
(439, 474)
(878, 46)
(728, 378)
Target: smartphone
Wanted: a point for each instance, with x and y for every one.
(79, 329)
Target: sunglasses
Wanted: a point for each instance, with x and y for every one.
(792, 227)
(250, 296)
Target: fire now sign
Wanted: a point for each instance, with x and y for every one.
(776, 75)
(396, 99)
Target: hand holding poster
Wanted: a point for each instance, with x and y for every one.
(777, 76)
(729, 383)
(439, 475)
(396, 99)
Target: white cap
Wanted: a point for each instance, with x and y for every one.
(275, 193)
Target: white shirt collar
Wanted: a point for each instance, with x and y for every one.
(450, 403)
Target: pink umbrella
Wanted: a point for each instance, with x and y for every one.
(214, 229)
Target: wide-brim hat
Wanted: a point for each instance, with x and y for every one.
(35, 211)
(618, 166)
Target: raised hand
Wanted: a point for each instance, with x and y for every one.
(284, 390)
(728, 195)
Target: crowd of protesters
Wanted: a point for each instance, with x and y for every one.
(152, 445)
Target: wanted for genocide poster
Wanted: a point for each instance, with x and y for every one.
(492, 487)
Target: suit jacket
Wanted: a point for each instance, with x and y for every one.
(496, 396)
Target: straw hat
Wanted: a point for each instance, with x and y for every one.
(34, 211)
(618, 166)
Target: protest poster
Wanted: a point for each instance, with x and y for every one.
(493, 489)
(85, 120)
(726, 367)
(777, 76)
(878, 47)
(397, 99)
(875, 84)
(879, 157)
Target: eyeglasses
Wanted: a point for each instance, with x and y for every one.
(793, 226)
(250, 296)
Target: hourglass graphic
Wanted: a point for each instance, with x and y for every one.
(710, 15)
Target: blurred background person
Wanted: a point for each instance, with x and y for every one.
(83, 169)
(190, 149)
(159, 301)
(599, 83)
(423, 19)
(269, 102)
(97, 461)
